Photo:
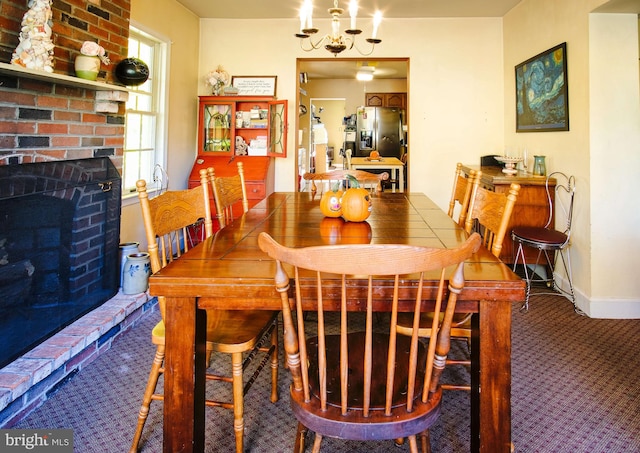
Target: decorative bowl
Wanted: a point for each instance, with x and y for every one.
(509, 164)
(132, 72)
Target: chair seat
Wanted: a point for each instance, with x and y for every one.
(229, 330)
(539, 237)
(356, 427)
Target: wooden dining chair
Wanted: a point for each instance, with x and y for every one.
(328, 180)
(167, 220)
(370, 384)
(488, 214)
(229, 194)
(461, 193)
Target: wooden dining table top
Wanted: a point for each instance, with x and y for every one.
(295, 220)
(229, 271)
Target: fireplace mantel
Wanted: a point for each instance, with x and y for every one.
(19, 71)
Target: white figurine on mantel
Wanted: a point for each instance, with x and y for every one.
(35, 50)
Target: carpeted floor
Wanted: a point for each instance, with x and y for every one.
(575, 388)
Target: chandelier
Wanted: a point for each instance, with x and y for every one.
(335, 42)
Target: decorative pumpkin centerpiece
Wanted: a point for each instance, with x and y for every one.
(374, 155)
(331, 203)
(353, 205)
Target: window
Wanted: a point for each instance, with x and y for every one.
(145, 143)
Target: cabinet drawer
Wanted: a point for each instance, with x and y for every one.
(256, 190)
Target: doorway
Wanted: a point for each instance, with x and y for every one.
(323, 82)
(327, 133)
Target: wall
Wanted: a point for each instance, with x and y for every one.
(601, 235)
(180, 28)
(614, 110)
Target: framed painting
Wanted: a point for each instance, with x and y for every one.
(255, 85)
(542, 102)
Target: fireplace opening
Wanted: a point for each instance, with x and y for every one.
(59, 237)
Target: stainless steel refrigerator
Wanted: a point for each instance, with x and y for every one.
(380, 129)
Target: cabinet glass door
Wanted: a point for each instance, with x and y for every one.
(217, 127)
(278, 128)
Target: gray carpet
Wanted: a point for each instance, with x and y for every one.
(576, 388)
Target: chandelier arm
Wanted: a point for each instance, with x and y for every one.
(312, 45)
(361, 52)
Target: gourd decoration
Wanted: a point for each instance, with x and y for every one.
(374, 155)
(356, 202)
(330, 203)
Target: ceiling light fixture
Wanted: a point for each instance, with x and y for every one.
(365, 73)
(335, 42)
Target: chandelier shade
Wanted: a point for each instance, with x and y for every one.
(335, 41)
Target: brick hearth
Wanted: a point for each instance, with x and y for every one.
(26, 383)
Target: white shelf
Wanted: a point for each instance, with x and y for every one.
(19, 71)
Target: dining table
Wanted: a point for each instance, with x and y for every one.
(382, 163)
(229, 271)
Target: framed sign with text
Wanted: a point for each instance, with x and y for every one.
(254, 85)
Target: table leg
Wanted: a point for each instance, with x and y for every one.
(401, 171)
(184, 389)
(491, 407)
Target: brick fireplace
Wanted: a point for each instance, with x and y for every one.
(49, 120)
(59, 236)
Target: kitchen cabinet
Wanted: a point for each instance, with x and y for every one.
(241, 125)
(531, 208)
(386, 100)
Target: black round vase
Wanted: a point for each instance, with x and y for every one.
(132, 72)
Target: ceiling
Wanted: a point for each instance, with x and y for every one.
(270, 9)
(318, 68)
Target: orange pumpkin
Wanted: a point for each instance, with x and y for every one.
(374, 155)
(330, 205)
(356, 204)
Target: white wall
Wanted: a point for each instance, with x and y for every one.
(614, 112)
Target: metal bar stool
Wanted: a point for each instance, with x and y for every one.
(548, 240)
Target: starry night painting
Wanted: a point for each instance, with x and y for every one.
(541, 92)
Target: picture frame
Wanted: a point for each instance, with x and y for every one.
(542, 94)
(255, 85)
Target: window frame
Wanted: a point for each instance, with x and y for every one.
(159, 70)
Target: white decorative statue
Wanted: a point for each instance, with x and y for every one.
(241, 146)
(35, 50)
